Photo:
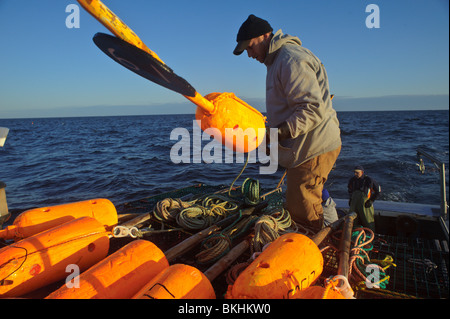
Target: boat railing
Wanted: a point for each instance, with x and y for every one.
(4, 213)
(441, 167)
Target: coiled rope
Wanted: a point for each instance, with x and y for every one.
(250, 190)
(168, 209)
(270, 226)
(217, 245)
(195, 214)
(206, 212)
(359, 259)
(209, 209)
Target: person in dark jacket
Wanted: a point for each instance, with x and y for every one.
(363, 191)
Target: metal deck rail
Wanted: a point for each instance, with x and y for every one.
(441, 167)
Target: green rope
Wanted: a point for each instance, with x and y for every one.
(217, 245)
(363, 259)
(250, 190)
(206, 211)
(168, 209)
(367, 247)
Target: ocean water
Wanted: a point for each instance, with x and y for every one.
(49, 161)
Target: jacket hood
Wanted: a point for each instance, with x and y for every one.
(278, 40)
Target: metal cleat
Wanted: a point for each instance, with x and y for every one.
(123, 231)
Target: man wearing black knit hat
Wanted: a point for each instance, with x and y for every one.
(298, 103)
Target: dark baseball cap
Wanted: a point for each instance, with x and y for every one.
(253, 27)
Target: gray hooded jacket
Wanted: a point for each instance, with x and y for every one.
(297, 92)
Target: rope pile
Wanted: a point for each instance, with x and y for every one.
(267, 227)
(203, 212)
(195, 214)
(250, 190)
(270, 226)
(168, 209)
(217, 245)
(206, 210)
(359, 260)
(209, 211)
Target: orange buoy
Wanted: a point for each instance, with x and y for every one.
(119, 276)
(42, 259)
(36, 220)
(241, 127)
(215, 110)
(290, 263)
(318, 292)
(178, 282)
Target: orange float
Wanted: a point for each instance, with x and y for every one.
(216, 110)
(289, 264)
(178, 282)
(42, 259)
(36, 220)
(119, 276)
(241, 127)
(318, 292)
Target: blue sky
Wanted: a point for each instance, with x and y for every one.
(47, 69)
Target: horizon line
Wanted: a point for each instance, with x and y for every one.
(423, 102)
(169, 114)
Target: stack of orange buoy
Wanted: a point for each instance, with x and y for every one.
(36, 220)
(42, 259)
(49, 239)
(79, 233)
(53, 238)
(286, 269)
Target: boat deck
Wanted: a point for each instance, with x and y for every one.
(410, 233)
(414, 235)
